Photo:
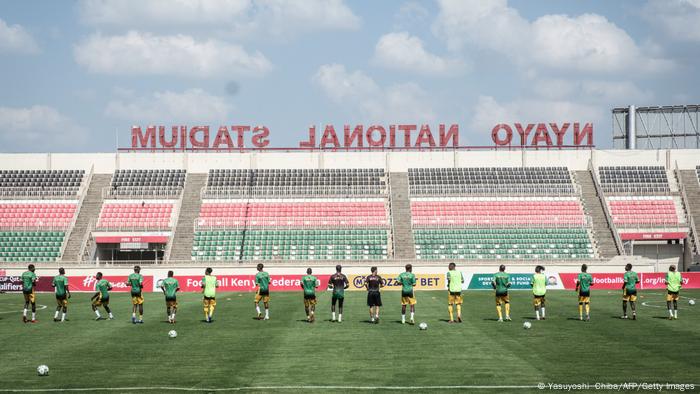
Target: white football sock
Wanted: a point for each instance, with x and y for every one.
(63, 317)
(340, 317)
(412, 316)
(33, 315)
(542, 311)
(97, 313)
(257, 308)
(332, 315)
(670, 312)
(25, 312)
(55, 315)
(110, 315)
(267, 313)
(676, 313)
(537, 314)
(403, 318)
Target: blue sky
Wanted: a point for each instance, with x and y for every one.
(75, 74)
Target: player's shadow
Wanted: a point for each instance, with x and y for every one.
(489, 319)
(660, 317)
(573, 318)
(528, 318)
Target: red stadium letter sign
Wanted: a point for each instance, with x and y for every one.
(204, 142)
(587, 133)
(495, 134)
(541, 134)
(139, 140)
(173, 140)
(349, 138)
(523, 133)
(452, 134)
(223, 137)
(382, 136)
(329, 137)
(407, 129)
(260, 134)
(311, 143)
(559, 132)
(425, 136)
(240, 130)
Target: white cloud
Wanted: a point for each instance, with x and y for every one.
(402, 51)
(361, 95)
(488, 112)
(136, 13)
(588, 42)
(192, 105)
(39, 128)
(138, 53)
(241, 17)
(15, 39)
(592, 91)
(678, 18)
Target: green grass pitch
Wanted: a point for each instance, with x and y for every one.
(237, 351)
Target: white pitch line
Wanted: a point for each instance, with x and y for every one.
(257, 388)
(39, 307)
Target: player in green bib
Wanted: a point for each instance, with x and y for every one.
(309, 283)
(170, 287)
(454, 280)
(674, 282)
(60, 285)
(209, 285)
(539, 289)
(408, 281)
(29, 280)
(262, 282)
(501, 283)
(101, 296)
(584, 281)
(135, 281)
(629, 291)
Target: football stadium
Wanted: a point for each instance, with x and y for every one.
(364, 256)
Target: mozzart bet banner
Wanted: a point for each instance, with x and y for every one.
(477, 281)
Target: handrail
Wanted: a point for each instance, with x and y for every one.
(389, 207)
(84, 187)
(341, 191)
(142, 192)
(178, 207)
(86, 238)
(604, 203)
(686, 205)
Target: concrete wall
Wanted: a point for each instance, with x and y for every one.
(201, 162)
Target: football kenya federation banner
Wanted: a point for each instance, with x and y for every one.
(650, 280)
(87, 283)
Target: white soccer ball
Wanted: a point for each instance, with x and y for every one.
(172, 334)
(691, 302)
(42, 370)
(527, 325)
(423, 326)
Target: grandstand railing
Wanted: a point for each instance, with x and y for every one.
(83, 193)
(38, 193)
(175, 220)
(84, 245)
(471, 191)
(389, 209)
(46, 227)
(142, 192)
(222, 192)
(692, 233)
(500, 223)
(606, 210)
(244, 224)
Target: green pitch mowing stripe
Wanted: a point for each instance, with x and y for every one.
(285, 353)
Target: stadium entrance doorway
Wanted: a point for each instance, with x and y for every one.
(107, 252)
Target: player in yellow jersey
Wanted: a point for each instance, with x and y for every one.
(455, 279)
(209, 286)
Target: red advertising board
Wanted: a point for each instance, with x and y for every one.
(246, 282)
(87, 283)
(600, 281)
(652, 280)
(118, 239)
(651, 236)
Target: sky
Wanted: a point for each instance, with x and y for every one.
(76, 75)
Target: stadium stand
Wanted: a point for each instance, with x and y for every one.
(124, 215)
(147, 182)
(242, 225)
(40, 183)
(639, 196)
(37, 209)
(551, 181)
(295, 182)
(498, 213)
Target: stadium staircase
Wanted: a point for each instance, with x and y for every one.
(689, 180)
(184, 231)
(88, 212)
(593, 206)
(402, 231)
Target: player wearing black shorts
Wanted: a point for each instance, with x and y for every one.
(339, 283)
(373, 283)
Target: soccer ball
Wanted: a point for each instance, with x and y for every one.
(172, 334)
(691, 302)
(423, 326)
(42, 370)
(527, 325)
